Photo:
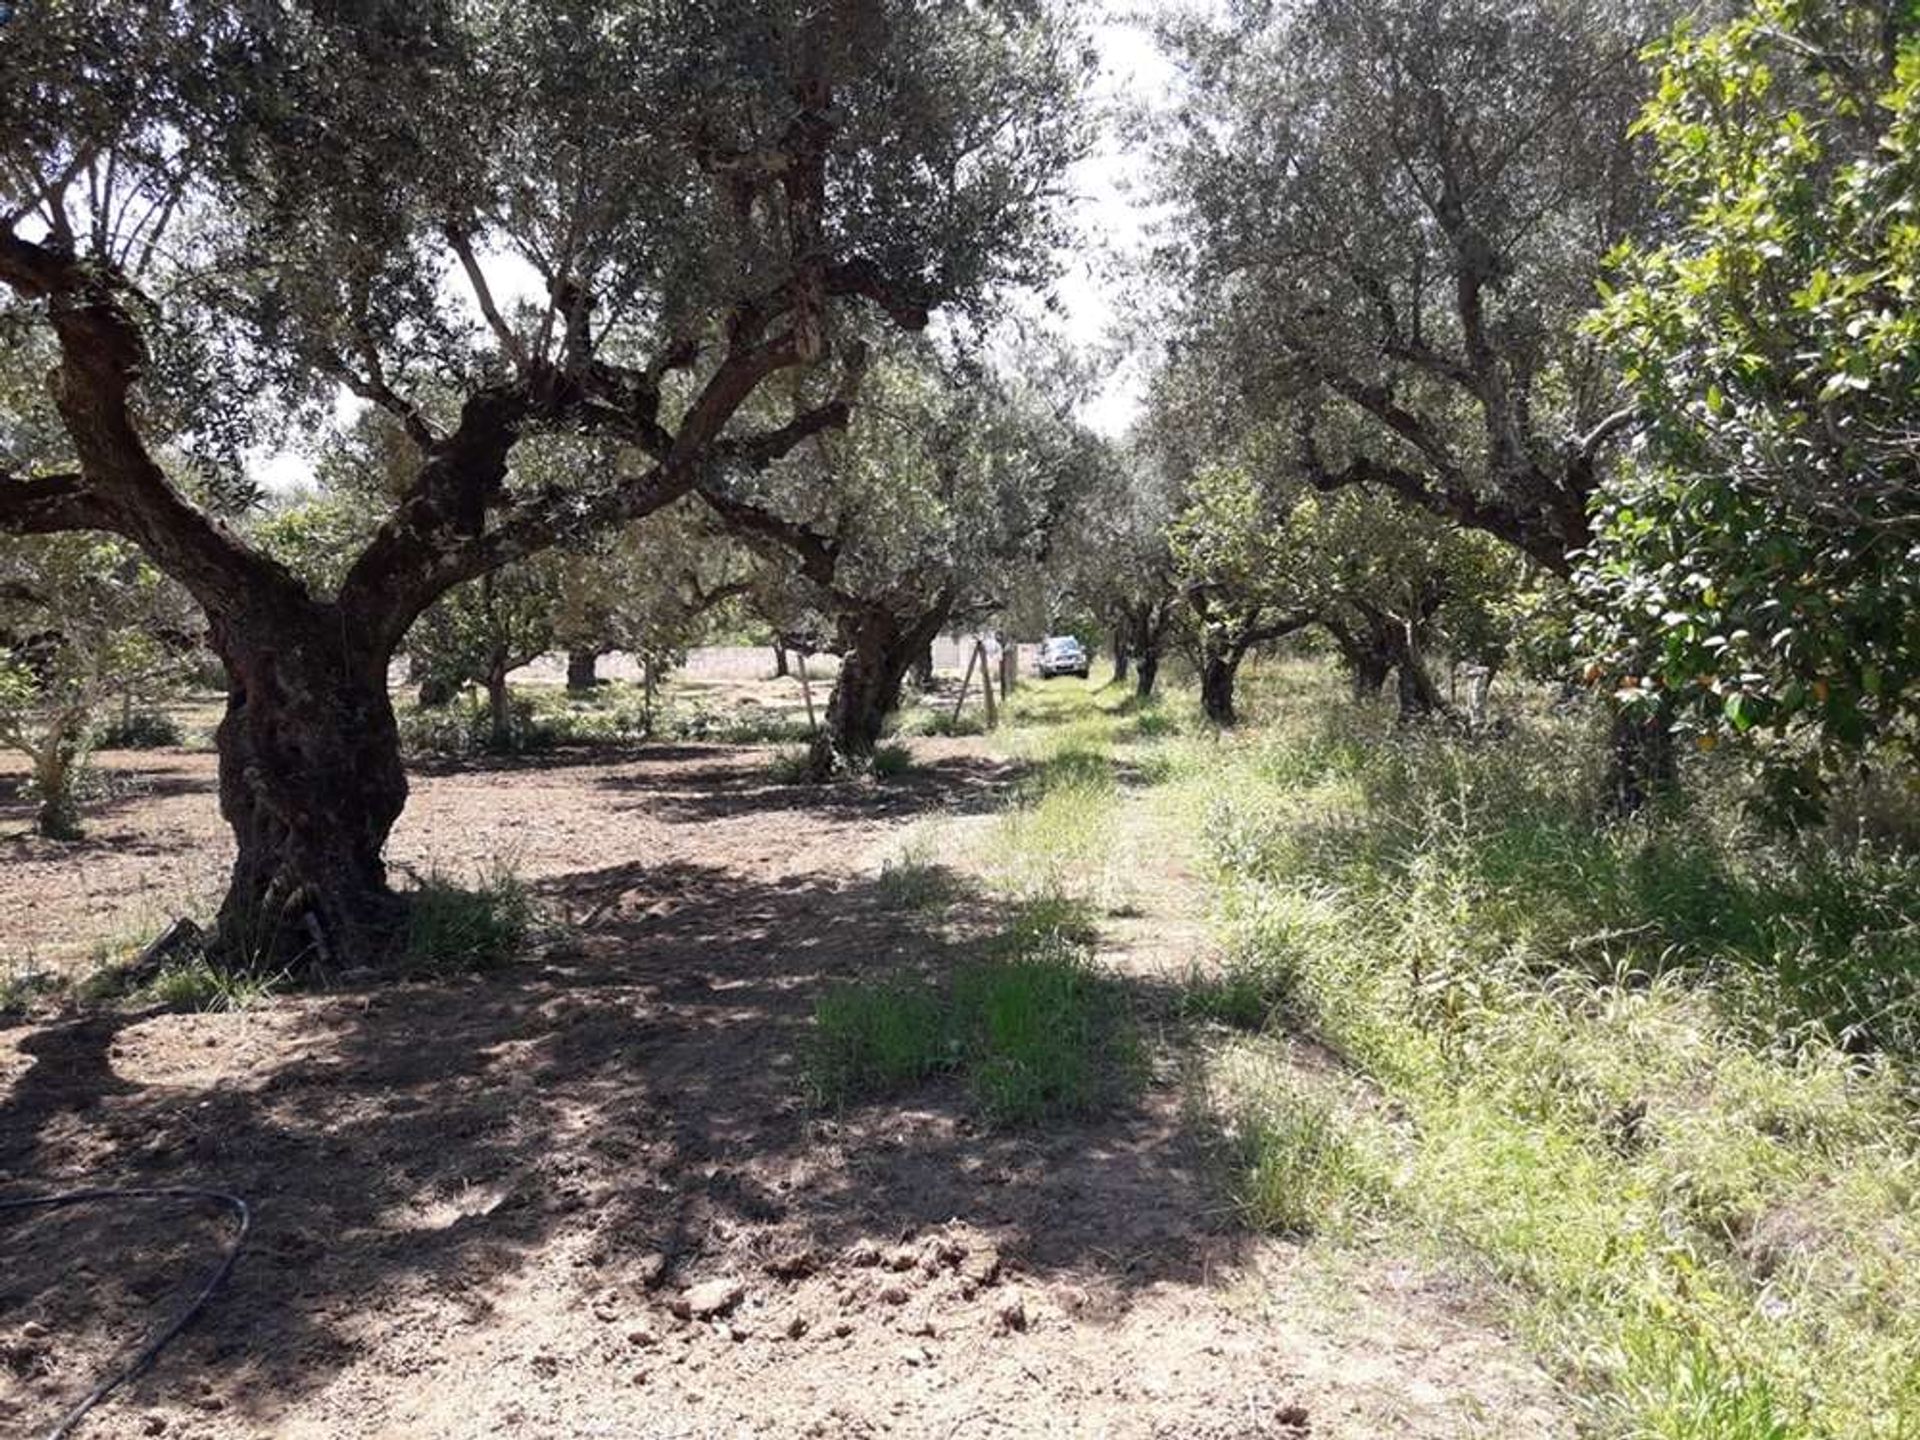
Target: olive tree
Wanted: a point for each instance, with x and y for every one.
(1241, 573)
(83, 622)
(1396, 210)
(1117, 563)
(277, 202)
(918, 517)
(481, 632)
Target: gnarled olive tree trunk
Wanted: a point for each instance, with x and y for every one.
(311, 782)
(879, 650)
(1145, 638)
(57, 766)
(1219, 669)
(1367, 654)
(1419, 695)
(499, 706)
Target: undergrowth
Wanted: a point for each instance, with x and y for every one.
(1659, 1076)
(617, 714)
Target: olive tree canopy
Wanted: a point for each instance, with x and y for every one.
(616, 220)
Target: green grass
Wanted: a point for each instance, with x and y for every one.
(1300, 1161)
(1044, 1033)
(791, 765)
(1658, 1077)
(891, 761)
(1249, 990)
(452, 928)
(875, 1038)
(913, 880)
(1058, 836)
(937, 718)
(1033, 1028)
(196, 984)
(23, 981)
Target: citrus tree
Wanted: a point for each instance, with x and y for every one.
(1758, 572)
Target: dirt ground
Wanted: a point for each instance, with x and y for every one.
(584, 1196)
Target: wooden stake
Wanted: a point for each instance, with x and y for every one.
(986, 682)
(806, 689)
(973, 658)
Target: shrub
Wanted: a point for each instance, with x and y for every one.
(141, 730)
(892, 761)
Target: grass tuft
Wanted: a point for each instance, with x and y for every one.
(195, 983)
(913, 880)
(874, 1039)
(451, 928)
(1298, 1165)
(891, 761)
(1045, 1035)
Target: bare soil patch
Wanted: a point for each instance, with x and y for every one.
(583, 1196)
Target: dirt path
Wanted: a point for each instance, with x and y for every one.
(484, 1207)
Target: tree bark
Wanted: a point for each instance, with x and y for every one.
(1367, 655)
(56, 770)
(1145, 637)
(1121, 658)
(923, 669)
(1644, 762)
(779, 661)
(1368, 671)
(499, 708)
(1419, 695)
(873, 669)
(1146, 670)
(311, 782)
(583, 670)
(1219, 668)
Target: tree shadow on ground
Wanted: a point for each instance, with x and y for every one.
(729, 784)
(634, 1092)
(563, 757)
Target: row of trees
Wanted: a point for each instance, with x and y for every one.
(1488, 314)
(658, 239)
(1497, 317)
(927, 514)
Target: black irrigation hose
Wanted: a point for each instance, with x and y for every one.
(151, 1350)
